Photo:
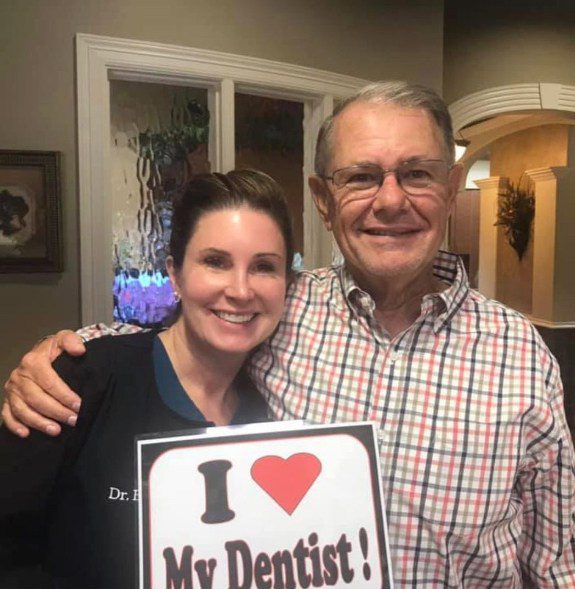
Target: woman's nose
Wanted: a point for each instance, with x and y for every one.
(239, 286)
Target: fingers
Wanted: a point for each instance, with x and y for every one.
(34, 380)
(15, 426)
(68, 341)
(15, 413)
(36, 397)
(32, 406)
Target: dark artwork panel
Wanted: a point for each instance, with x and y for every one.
(29, 212)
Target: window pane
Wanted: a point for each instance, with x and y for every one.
(269, 137)
(159, 141)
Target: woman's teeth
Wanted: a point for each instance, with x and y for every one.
(235, 317)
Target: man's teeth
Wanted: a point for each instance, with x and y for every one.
(381, 232)
(234, 317)
(387, 233)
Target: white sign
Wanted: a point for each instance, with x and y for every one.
(275, 507)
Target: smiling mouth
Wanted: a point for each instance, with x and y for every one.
(390, 232)
(235, 317)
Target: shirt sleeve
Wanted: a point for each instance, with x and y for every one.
(547, 490)
(101, 329)
(29, 473)
(28, 470)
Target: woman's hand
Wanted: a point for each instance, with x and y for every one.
(35, 396)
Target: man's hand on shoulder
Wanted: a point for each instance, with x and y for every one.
(35, 396)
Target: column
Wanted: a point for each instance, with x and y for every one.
(553, 294)
(490, 188)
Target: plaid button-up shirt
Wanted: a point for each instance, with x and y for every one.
(476, 456)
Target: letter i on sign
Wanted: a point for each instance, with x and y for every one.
(216, 485)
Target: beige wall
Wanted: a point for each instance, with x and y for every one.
(464, 230)
(362, 38)
(537, 147)
(510, 156)
(490, 44)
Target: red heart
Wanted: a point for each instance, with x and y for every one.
(286, 481)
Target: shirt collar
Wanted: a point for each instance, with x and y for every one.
(443, 305)
(449, 268)
(360, 302)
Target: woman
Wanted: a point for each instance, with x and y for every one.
(68, 504)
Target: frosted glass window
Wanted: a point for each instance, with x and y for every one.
(159, 141)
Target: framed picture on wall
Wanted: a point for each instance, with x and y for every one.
(30, 236)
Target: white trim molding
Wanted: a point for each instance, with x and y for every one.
(99, 59)
(551, 324)
(513, 98)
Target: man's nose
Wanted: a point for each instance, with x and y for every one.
(390, 199)
(239, 285)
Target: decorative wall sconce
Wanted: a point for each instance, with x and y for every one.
(515, 214)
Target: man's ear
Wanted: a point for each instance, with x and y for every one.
(455, 176)
(322, 199)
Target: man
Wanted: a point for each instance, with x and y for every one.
(476, 456)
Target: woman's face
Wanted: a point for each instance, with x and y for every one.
(232, 281)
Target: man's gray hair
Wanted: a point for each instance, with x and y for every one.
(395, 92)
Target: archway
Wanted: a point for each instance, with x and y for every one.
(486, 117)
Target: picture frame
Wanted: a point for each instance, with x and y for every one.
(30, 230)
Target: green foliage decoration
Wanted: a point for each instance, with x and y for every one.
(183, 137)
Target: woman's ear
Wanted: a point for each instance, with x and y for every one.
(172, 273)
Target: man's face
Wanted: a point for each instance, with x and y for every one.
(388, 237)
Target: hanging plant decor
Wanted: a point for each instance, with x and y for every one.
(515, 214)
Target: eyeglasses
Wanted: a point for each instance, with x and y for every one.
(415, 177)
